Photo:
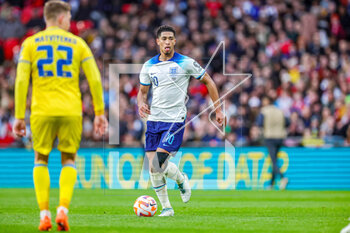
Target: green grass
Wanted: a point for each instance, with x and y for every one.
(208, 211)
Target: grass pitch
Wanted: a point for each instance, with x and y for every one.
(208, 211)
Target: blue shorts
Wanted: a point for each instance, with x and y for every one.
(157, 135)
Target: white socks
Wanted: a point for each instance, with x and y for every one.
(173, 172)
(44, 213)
(65, 210)
(159, 185)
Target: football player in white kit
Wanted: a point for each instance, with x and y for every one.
(169, 73)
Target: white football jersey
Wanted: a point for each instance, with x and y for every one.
(169, 80)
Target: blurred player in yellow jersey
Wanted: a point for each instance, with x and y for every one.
(52, 58)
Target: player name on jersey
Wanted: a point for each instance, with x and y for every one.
(55, 38)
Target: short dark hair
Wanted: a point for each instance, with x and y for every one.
(165, 28)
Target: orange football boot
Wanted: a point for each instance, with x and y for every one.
(62, 221)
(45, 224)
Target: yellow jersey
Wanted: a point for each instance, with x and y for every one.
(52, 58)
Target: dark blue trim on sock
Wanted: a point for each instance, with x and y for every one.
(69, 165)
(159, 186)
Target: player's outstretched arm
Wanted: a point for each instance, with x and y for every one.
(214, 95)
(142, 101)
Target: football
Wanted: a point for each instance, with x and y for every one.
(145, 206)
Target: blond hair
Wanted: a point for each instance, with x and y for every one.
(54, 8)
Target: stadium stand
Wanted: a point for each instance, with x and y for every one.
(296, 50)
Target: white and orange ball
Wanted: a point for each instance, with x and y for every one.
(145, 206)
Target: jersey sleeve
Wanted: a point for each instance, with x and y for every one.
(144, 76)
(22, 80)
(93, 76)
(25, 53)
(194, 69)
(86, 53)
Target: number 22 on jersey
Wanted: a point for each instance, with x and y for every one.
(49, 59)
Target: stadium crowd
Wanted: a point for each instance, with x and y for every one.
(297, 51)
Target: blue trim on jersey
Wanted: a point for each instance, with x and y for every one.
(201, 75)
(178, 58)
(84, 60)
(24, 61)
(145, 84)
(40, 165)
(153, 60)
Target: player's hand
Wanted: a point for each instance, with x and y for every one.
(100, 124)
(220, 118)
(19, 128)
(144, 110)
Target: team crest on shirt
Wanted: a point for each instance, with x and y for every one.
(173, 71)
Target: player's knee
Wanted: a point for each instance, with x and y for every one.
(160, 162)
(67, 158)
(41, 158)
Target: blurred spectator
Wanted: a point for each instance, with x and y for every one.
(6, 136)
(10, 26)
(273, 123)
